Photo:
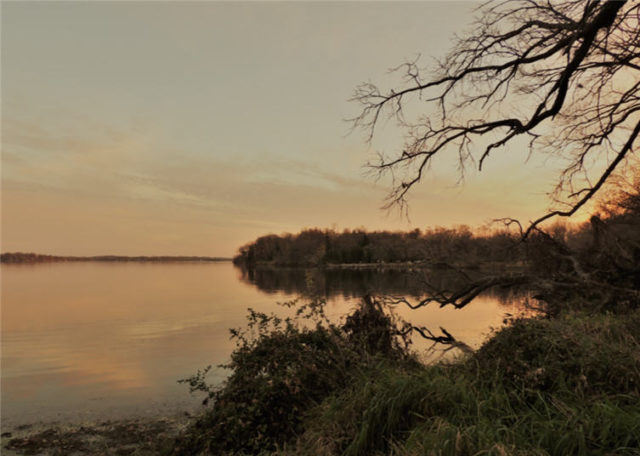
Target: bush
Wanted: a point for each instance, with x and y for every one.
(280, 370)
(586, 354)
(538, 387)
(569, 385)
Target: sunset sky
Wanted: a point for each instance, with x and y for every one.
(162, 128)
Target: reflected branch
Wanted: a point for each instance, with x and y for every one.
(464, 295)
(445, 339)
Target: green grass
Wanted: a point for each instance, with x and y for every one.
(551, 387)
(563, 386)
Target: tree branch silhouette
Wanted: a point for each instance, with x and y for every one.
(565, 74)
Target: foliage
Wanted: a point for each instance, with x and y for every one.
(545, 387)
(281, 369)
(315, 247)
(587, 354)
(567, 385)
(370, 330)
(597, 265)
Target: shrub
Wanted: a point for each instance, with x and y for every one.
(569, 385)
(280, 370)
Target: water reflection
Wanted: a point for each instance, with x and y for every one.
(83, 339)
(355, 283)
(469, 326)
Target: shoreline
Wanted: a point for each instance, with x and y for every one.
(140, 429)
(133, 435)
(406, 265)
(34, 258)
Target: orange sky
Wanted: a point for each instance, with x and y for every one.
(191, 128)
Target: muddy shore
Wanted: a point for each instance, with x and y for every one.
(135, 436)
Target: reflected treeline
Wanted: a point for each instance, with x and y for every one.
(355, 283)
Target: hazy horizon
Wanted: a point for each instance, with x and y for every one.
(192, 128)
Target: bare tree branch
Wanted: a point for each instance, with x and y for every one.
(565, 73)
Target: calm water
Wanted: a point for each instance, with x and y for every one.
(83, 341)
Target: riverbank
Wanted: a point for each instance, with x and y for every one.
(567, 385)
(400, 265)
(146, 428)
(141, 436)
(405, 266)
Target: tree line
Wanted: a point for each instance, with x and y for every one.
(614, 229)
(317, 247)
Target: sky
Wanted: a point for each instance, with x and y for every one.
(191, 128)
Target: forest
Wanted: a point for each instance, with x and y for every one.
(460, 246)
(316, 247)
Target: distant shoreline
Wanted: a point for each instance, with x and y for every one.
(396, 265)
(30, 258)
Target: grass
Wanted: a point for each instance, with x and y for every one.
(563, 386)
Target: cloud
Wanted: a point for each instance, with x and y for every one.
(103, 186)
(131, 165)
(91, 189)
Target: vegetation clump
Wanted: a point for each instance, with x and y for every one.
(561, 395)
(566, 385)
(586, 354)
(315, 247)
(281, 369)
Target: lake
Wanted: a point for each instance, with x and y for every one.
(86, 341)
